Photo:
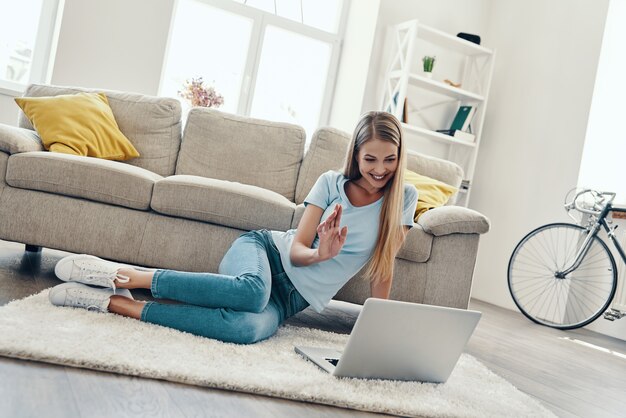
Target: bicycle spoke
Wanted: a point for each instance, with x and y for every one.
(576, 242)
(531, 262)
(533, 265)
(580, 307)
(535, 293)
(581, 301)
(534, 280)
(589, 291)
(555, 301)
(542, 262)
(537, 289)
(547, 290)
(548, 298)
(534, 286)
(549, 244)
(547, 250)
(529, 273)
(582, 298)
(559, 292)
(538, 249)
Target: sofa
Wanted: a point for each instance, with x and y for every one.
(189, 195)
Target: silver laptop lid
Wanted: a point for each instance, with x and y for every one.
(406, 341)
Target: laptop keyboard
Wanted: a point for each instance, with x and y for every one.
(332, 361)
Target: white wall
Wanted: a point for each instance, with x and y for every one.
(356, 53)
(8, 110)
(113, 44)
(547, 55)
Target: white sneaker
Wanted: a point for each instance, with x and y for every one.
(80, 295)
(89, 269)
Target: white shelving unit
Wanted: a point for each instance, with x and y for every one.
(431, 103)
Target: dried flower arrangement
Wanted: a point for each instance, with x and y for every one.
(198, 94)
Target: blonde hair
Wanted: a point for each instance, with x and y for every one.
(386, 127)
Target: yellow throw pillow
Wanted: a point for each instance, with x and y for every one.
(432, 193)
(80, 124)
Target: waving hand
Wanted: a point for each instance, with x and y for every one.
(332, 236)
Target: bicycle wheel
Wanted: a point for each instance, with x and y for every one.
(566, 302)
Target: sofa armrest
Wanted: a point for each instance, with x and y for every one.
(447, 220)
(14, 140)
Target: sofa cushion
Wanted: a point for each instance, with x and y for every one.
(14, 140)
(297, 216)
(234, 148)
(152, 124)
(417, 245)
(327, 151)
(454, 220)
(221, 202)
(90, 178)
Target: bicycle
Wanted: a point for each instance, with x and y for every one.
(563, 275)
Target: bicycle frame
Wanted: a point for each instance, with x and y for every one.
(593, 231)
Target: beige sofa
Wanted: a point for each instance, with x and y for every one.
(188, 197)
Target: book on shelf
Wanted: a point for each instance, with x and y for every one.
(463, 118)
(404, 109)
(458, 134)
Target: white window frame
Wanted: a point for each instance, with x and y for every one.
(261, 19)
(43, 51)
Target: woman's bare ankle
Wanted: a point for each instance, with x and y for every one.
(127, 307)
(136, 279)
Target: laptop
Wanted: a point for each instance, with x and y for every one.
(399, 341)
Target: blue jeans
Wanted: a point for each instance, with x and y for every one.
(244, 303)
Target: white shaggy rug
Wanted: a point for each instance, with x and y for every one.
(33, 329)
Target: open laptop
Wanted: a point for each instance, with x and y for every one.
(400, 341)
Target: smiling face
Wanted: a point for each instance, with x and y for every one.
(378, 161)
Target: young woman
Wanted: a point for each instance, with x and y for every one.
(351, 218)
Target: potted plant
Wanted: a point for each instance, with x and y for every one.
(429, 63)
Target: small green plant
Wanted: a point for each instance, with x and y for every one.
(429, 63)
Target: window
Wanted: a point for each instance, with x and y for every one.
(271, 59)
(321, 14)
(26, 33)
(291, 78)
(605, 149)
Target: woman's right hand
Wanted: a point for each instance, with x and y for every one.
(331, 235)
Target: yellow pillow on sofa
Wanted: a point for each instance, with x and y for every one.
(432, 193)
(80, 124)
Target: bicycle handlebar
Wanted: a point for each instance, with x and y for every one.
(598, 205)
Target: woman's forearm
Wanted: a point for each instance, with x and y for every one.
(301, 255)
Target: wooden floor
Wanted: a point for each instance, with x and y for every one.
(571, 379)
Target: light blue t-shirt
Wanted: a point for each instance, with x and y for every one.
(319, 282)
